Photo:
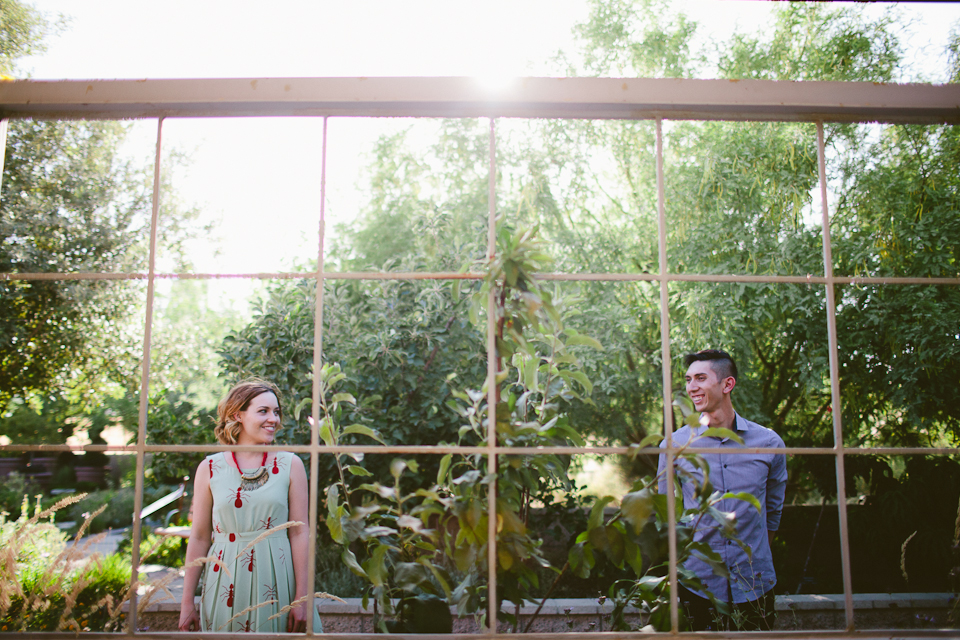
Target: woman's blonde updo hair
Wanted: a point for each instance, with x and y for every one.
(238, 400)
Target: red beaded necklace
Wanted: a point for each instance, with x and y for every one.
(251, 481)
(262, 462)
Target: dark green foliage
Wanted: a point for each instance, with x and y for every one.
(637, 537)
(906, 496)
(422, 614)
(24, 424)
(434, 204)
(12, 490)
(70, 204)
(434, 541)
(173, 419)
(401, 343)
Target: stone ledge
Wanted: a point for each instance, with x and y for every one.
(585, 606)
(796, 613)
(830, 601)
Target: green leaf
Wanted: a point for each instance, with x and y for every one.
(300, 405)
(376, 565)
(358, 471)
(351, 561)
(636, 508)
(464, 556)
(410, 575)
(580, 377)
(442, 577)
(377, 532)
(343, 397)
(444, 468)
(716, 432)
(334, 513)
(648, 441)
(742, 495)
(615, 545)
(409, 522)
(326, 433)
(581, 560)
(633, 555)
(364, 431)
(596, 513)
(574, 338)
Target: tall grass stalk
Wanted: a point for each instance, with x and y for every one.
(49, 585)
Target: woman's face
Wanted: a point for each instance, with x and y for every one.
(260, 420)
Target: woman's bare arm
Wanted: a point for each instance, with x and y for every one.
(299, 541)
(200, 531)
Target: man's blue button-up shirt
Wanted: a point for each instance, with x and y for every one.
(763, 475)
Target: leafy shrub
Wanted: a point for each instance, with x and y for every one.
(46, 540)
(332, 575)
(86, 600)
(117, 514)
(174, 419)
(168, 551)
(12, 490)
(48, 585)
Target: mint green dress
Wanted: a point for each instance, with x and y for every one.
(253, 575)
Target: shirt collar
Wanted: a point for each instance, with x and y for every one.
(739, 424)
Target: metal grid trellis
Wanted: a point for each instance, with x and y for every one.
(537, 97)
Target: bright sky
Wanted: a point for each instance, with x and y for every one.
(261, 177)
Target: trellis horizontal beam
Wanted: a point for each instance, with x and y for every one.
(472, 450)
(617, 98)
(413, 275)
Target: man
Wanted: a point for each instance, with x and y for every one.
(711, 376)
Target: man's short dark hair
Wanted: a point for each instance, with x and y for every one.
(720, 361)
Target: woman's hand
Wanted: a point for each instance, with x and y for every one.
(189, 619)
(297, 619)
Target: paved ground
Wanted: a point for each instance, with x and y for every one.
(105, 546)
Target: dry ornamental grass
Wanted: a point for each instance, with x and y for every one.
(49, 585)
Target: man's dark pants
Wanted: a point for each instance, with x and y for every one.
(756, 615)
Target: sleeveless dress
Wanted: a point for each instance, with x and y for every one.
(254, 575)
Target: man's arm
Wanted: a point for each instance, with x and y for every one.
(661, 471)
(776, 489)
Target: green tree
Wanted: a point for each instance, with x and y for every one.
(69, 204)
(22, 31)
(432, 201)
(402, 345)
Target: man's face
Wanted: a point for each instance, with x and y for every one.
(704, 387)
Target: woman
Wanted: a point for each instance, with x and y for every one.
(239, 497)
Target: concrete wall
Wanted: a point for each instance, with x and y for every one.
(801, 612)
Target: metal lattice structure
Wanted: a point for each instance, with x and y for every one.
(587, 98)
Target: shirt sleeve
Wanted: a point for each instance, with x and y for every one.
(661, 474)
(776, 486)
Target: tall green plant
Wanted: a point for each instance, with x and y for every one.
(415, 541)
(636, 535)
